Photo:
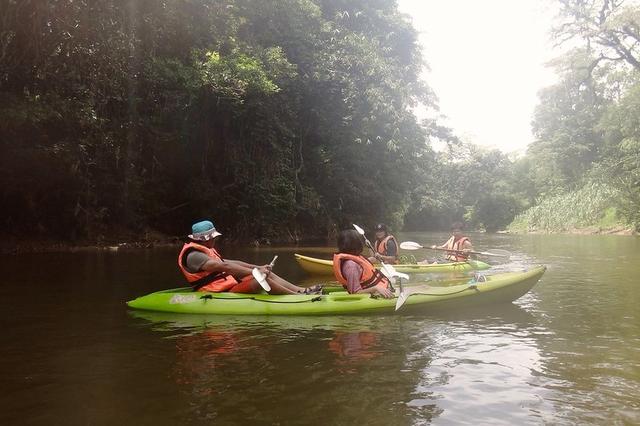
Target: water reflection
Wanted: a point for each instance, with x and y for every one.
(352, 348)
(317, 369)
(332, 369)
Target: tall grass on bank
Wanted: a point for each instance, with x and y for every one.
(591, 206)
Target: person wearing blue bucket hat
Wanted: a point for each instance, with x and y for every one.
(206, 270)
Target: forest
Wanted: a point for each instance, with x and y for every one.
(287, 120)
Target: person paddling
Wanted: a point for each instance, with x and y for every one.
(457, 241)
(386, 245)
(354, 271)
(206, 270)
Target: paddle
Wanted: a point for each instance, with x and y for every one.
(404, 295)
(410, 245)
(388, 270)
(422, 289)
(262, 278)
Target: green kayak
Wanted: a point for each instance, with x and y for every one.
(504, 287)
(317, 266)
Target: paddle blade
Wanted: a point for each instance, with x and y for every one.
(401, 299)
(366, 240)
(261, 278)
(404, 295)
(410, 245)
(499, 253)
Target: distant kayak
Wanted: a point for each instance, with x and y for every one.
(504, 287)
(317, 266)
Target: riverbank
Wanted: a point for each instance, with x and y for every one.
(13, 245)
(590, 230)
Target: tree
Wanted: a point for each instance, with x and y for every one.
(609, 29)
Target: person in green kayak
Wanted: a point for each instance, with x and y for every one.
(206, 270)
(385, 245)
(458, 242)
(354, 271)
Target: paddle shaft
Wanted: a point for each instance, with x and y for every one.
(483, 253)
(366, 240)
(375, 253)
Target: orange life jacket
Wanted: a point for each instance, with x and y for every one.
(381, 246)
(456, 245)
(370, 275)
(205, 280)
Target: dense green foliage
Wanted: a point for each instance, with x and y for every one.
(290, 119)
(586, 207)
(271, 117)
(468, 183)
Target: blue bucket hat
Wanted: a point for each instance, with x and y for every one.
(203, 231)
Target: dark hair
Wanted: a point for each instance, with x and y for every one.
(457, 225)
(350, 242)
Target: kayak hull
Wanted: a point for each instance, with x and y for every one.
(317, 266)
(497, 288)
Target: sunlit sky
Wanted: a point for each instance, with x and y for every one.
(487, 61)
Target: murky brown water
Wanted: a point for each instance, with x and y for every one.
(568, 352)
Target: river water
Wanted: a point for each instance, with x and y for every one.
(568, 352)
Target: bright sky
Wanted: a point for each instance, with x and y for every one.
(487, 61)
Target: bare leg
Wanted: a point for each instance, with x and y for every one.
(281, 286)
(253, 287)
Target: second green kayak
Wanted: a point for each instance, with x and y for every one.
(316, 266)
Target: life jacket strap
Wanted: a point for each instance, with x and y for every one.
(207, 279)
(374, 280)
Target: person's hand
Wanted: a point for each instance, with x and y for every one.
(372, 259)
(383, 291)
(266, 270)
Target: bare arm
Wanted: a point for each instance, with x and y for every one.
(377, 289)
(235, 268)
(241, 263)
